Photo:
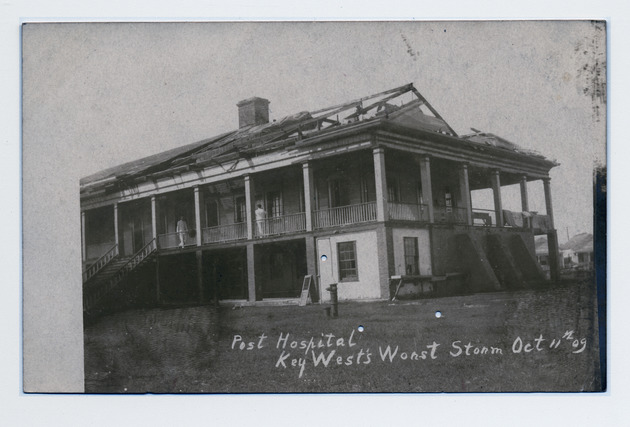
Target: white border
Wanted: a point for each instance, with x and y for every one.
(608, 408)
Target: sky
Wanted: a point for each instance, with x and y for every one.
(108, 93)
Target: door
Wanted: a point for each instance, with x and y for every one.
(138, 234)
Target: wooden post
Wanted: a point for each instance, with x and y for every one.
(524, 196)
(427, 190)
(199, 255)
(197, 216)
(307, 174)
(83, 242)
(311, 262)
(552, 235)
(248, 208)
(383, 250)
(251, 273)
(157, 279)
(153, 217)
(381, 184)
(548, 205)
(213, 282)
(464, 188)
(116, 224)
(554, 255)
(496, 192)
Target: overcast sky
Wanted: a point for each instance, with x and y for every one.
(97, 95)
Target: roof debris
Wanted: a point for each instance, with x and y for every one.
(289, 131)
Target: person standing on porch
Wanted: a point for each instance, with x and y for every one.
(182, 230)
(261, 215)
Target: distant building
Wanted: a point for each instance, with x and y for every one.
(578, 252)
(353, 194)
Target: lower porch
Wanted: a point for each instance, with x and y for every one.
(266, 272)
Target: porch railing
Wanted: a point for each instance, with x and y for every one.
(100, 263)
(408, 212)
(172, 240)
(484, 217)
(96, 293)
(292, 223)
(343, 215)
(224, 233)
(446, 215)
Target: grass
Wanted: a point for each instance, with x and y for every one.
(191, 349)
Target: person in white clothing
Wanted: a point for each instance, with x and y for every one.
(261, 215)
(182, 230)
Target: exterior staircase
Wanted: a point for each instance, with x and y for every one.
(110, 276)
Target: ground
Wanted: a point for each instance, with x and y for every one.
(533, 340)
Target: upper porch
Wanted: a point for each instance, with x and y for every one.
(367, 186)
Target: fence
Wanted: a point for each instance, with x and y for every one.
(293, 223)
(450, 215)
(408, 212)
(224, 233)
(172, 240)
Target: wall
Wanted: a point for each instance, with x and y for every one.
(424, 250)
(349, 172)
(405, 170)
(368, 285)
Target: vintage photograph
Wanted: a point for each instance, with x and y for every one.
(326, 207)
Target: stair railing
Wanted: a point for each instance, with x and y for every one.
(133, 262)
(98, 265)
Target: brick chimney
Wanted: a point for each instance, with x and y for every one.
(253, 111)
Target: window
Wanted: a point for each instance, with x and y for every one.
(419, 193)
(212, 213)
(411, 256)
(393, 191)
(274, 205)
(337, 193)
(367, 188)
(240, 210)
(348, 271)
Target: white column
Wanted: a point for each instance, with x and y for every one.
(524, 196)
(197, 216)
(381, 184)
(548, 205)
(248, 207)
(496, 192)
(464, 188)
(83, 243)
(153, 218)
(307, 174)
(427, 190)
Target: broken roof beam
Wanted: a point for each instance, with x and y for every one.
(401, 89)
(336, 109)
(433, 110)
(363, 110)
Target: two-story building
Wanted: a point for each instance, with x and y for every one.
(362, 194)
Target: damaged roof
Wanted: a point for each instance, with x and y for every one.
(293, 130)
(582, 242)
(496, 141)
